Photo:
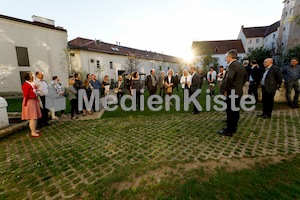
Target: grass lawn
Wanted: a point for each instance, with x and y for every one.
(155, 155)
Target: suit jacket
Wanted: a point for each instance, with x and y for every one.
(256, 74)
(161, 83)
(176, 80)
(235, 78)
(195, 84)
(273, 79)
(149, 83)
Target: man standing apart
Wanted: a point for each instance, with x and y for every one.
(270, 82)
(291, 75)
(235, 78)
(42, 89)
(195, 85)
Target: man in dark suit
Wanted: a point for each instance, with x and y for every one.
(151, 82)
(195, 85)
(271, 81)
(176, 81)
(254, 79)
(235, 78)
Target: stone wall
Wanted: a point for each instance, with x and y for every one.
(279, 96)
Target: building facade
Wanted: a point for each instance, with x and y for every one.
(30, 46)
(217, 49)
(100, 58)
(289, 29)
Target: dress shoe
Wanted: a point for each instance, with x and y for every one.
(226, 130)
(224, 120)
(265, 116)
(261, 115)
(195, 112)
(292, 105)
(296, 106)
(224, 133)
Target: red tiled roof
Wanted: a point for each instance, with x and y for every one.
(32, 23)
(99, 46)
(217, 47)
(262, 31)
(272, 28)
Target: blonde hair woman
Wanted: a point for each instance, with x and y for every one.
(120, 88)
(169, 83)
(72, 96)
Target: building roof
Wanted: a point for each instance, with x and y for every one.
(34, 23)
(251, 32)
(217, 47)
(102, 47)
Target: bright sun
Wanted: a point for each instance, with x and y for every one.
(188, 56)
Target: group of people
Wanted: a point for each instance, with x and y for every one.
(268, 77)
(36, 92)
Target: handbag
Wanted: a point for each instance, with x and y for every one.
(116, 90)
(169, 90)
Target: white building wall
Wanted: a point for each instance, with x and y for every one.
(271, 40)
(81, 61)
(45, 51)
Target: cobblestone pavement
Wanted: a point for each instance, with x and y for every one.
(71, 155)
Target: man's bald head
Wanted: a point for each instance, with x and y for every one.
(268, 62)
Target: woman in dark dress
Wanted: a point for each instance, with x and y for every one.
(136, 86)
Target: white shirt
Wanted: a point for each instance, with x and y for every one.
(263, 80)
(42, 87)
(213, 75)
(183, 79)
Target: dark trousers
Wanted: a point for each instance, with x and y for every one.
(44, 119)
(233, 117)
(152, 92)
(195, 110)
(137, 98)
(74, 105)
(162, 92)
(253, 90)
(290, 85)
(119, 95)
(176, 86)
(268, 102)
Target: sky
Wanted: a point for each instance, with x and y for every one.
(163, 26)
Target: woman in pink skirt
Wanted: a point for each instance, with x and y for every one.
(31, 106)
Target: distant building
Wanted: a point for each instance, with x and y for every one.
(101, 58)
(257, 37)
(30, 46)
(289, 30)
(277, 37)
(217, 49)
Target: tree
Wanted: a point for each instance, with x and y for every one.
(259, 55)
(132, 62)
(99, 68)
(294, 52)
(207, 62)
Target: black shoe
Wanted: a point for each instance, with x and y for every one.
(224, 133)
(292, 105)
(224, 120)
(195, 112)
(226, 130)
(296, 106)
(266, 116)
(261, 115)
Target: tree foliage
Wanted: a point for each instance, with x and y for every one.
(259, 55)
(132, 62)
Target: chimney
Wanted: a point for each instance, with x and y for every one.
(43, 20)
